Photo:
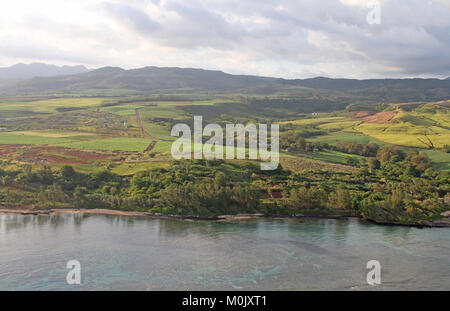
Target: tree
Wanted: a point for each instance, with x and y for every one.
(352, 161)
(45, 175)
(308, 198)
(362, 172)
(67, 172)
(53, 195)
(340, 199)
(392, 154)
(373, 164)
(419, 161)
(80, 196)
(221, 179)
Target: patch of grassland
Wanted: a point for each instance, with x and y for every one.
(53, 133)
(113, 144)
(162, 146)
(166, 111)
(334, 139)
(346, 126)
(122, 110)
(22, 139)
(299, 164)
(414, 129)
(332, 156)
(51, 105)
(316, 121)
(129, 169)
(440, 160)
(405, 136)
(210, 102)
(158, 130)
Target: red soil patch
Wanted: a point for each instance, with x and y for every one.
(5, 149)
(385, 117)
(363, 114)
(55, 155)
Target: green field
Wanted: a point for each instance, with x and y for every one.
(54, 133)
(332, 156)
(81, 123)
(210, 102)
(316, 121)
(440, 160)
(22, 139)
(334, 139)
(157, 130)
(112, 144)
(51, 105)
(166, 110)
(162, 146)
(122, 110)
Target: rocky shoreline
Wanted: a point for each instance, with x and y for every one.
(439, 223)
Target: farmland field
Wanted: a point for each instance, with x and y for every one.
(98, 124)
(162, 146)
(52, 105)
(53, 133)
(332, 157)
(412, 129)
(162, 110)
(316, 121)
(440, 160)
(333, 139)
(22, 139)
(114, 143)
(121, 110)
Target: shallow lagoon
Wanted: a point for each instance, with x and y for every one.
(135, 253)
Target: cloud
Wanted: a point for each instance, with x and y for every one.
(274, 37)
(131, 17)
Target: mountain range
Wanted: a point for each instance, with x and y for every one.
(27, 71)
(157, 79)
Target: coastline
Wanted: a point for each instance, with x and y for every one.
(439, 223)
(29, 211)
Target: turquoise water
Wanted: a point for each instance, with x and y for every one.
(126, 253)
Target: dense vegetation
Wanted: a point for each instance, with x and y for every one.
(392, 187)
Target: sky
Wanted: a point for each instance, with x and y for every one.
(279, 38)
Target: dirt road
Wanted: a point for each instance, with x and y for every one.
(145, 131)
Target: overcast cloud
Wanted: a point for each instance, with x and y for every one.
(283, 38)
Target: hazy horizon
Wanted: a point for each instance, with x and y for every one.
(312, 77)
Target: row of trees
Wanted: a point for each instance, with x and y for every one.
(366, 150)
(316, 197)
(295, 141)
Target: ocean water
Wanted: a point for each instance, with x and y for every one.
(132, 253)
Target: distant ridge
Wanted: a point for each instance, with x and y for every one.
(27, 71)
(143, 79)
(156, 79)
